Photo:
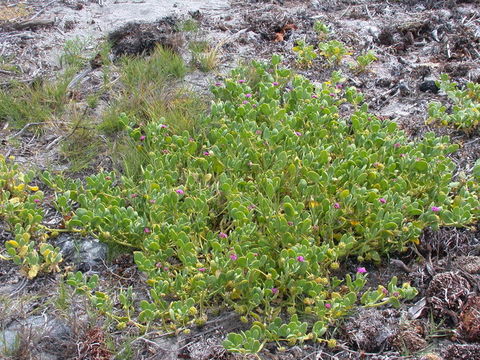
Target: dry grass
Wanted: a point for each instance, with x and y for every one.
(13, 12)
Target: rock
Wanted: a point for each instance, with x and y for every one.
(373, 30)
(385, 37)
(370, 329)
(383, 82)
(403, 89)
(36, 330)
(87, 253)
(429, 86)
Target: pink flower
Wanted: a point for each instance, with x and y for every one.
(241, 81)
(206, 153)
(133, 196)
(143, 137)
(298, 133)
(147, 230)
(275, 83)
(244, 102)
(314, 96)
(251, 206)
(300, 258)
(402, 155)
(396, 145)
(218, 84)
(202, 269)
(180, 191)
(290, 223)
(165, 151)
(222, 235)
(233, 257)
(328, 306)
(36, 201)
(331, 94)
(248, 95)
(361, 270)
(436, 209)
(383, 200)
(336, 205)
(274, 290)
(258, 132)
(151, 201)
(163, 126)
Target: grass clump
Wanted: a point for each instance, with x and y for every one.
(148, 89)
(44, 100)
(258, 211)
(38, 102)
(150, 92)
(204, 55)
(141, 73)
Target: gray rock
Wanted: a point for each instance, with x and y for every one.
(39, 332)
(87, 253)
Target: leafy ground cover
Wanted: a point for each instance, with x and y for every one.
(256, 211)
(465, 113)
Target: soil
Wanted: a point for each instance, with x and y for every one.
(414, 40)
